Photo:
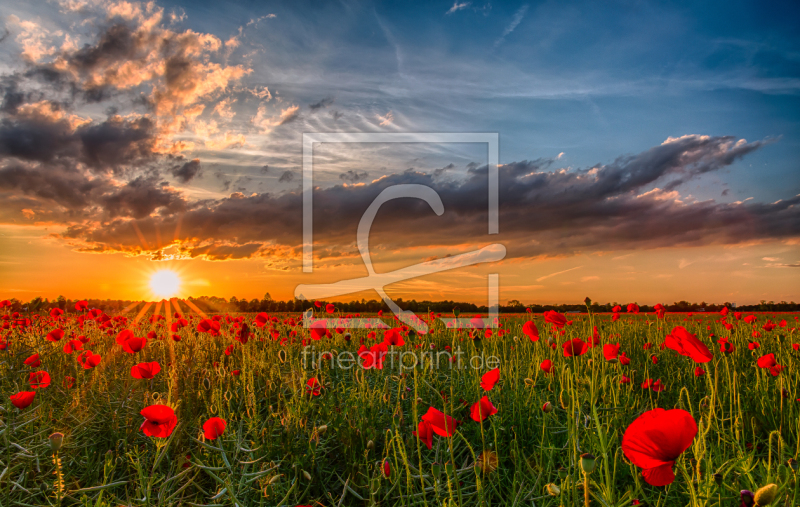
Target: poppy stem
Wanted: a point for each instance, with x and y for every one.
(585, 489)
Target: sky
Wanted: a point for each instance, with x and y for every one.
(648, 151)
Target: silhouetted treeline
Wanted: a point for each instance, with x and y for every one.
(213, 304)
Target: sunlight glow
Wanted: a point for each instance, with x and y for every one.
(165, 283)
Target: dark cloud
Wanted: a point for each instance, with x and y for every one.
(621, 205)
(448, 167)
(286, 177)
(326, 102)
(264, 169)
(77, 195)
(353, 176)
(187, 172)
(336, 115)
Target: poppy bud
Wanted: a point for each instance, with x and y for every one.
(347, 337)
(562, 473)
(783, 473)
(56, 441)
(590, 362)
(552, 489)
(718, 479)
(747, 497)
(587, 463)
(766, 495)
(307, 475)
(370, 444)
(436, 469)
(275, 479)
(456, 311)
(322, 429)
(449, 468)
(547, 407)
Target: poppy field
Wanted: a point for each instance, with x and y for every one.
(614, 409)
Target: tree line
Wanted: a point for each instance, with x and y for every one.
(214, 304)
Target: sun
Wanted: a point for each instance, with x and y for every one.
(165, 283)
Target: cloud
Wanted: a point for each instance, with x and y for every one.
(385, 120)
(255, 21)
(545, 277)
(353, 176)
(513, 25)
(267, 124)
(457, 7)
(186, 172)
(286, 177)
(321, 104)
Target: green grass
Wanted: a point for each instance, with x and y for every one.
(284, 447)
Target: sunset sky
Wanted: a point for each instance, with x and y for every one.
(649, 151)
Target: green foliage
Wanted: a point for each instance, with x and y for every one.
(285, 447)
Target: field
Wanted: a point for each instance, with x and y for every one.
(330, 428)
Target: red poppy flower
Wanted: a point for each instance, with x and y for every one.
(313, 387)
(130, 343)
(236, 373)
(329, 308)
(393, 337)
(724, 311)
(39, 379)
(482, 409)
(725, 346)
(490, 378)
(575, 347)
(530, 330)
(91, 360)
(610, 351)
(769, 362)
(159, 421)
(624, 380)
(656, 386)
(633, 308)
(374, 356)
(56, 313)
(229, 349)
(22, 399)
(753, 345)
(214, 428)
(424, 433)
(656, 439)
(387, 469)
(699, 372)
(750, 319)
(55, 335)
(624, 360)
(616, 309)
(441, 424)
(72, 345)
(81, 306)
(319, 329)
(687, 344)
(555, 318)
(546, 366)
(33, 361)
(210, 326)
(145, 370)
(69, 382)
